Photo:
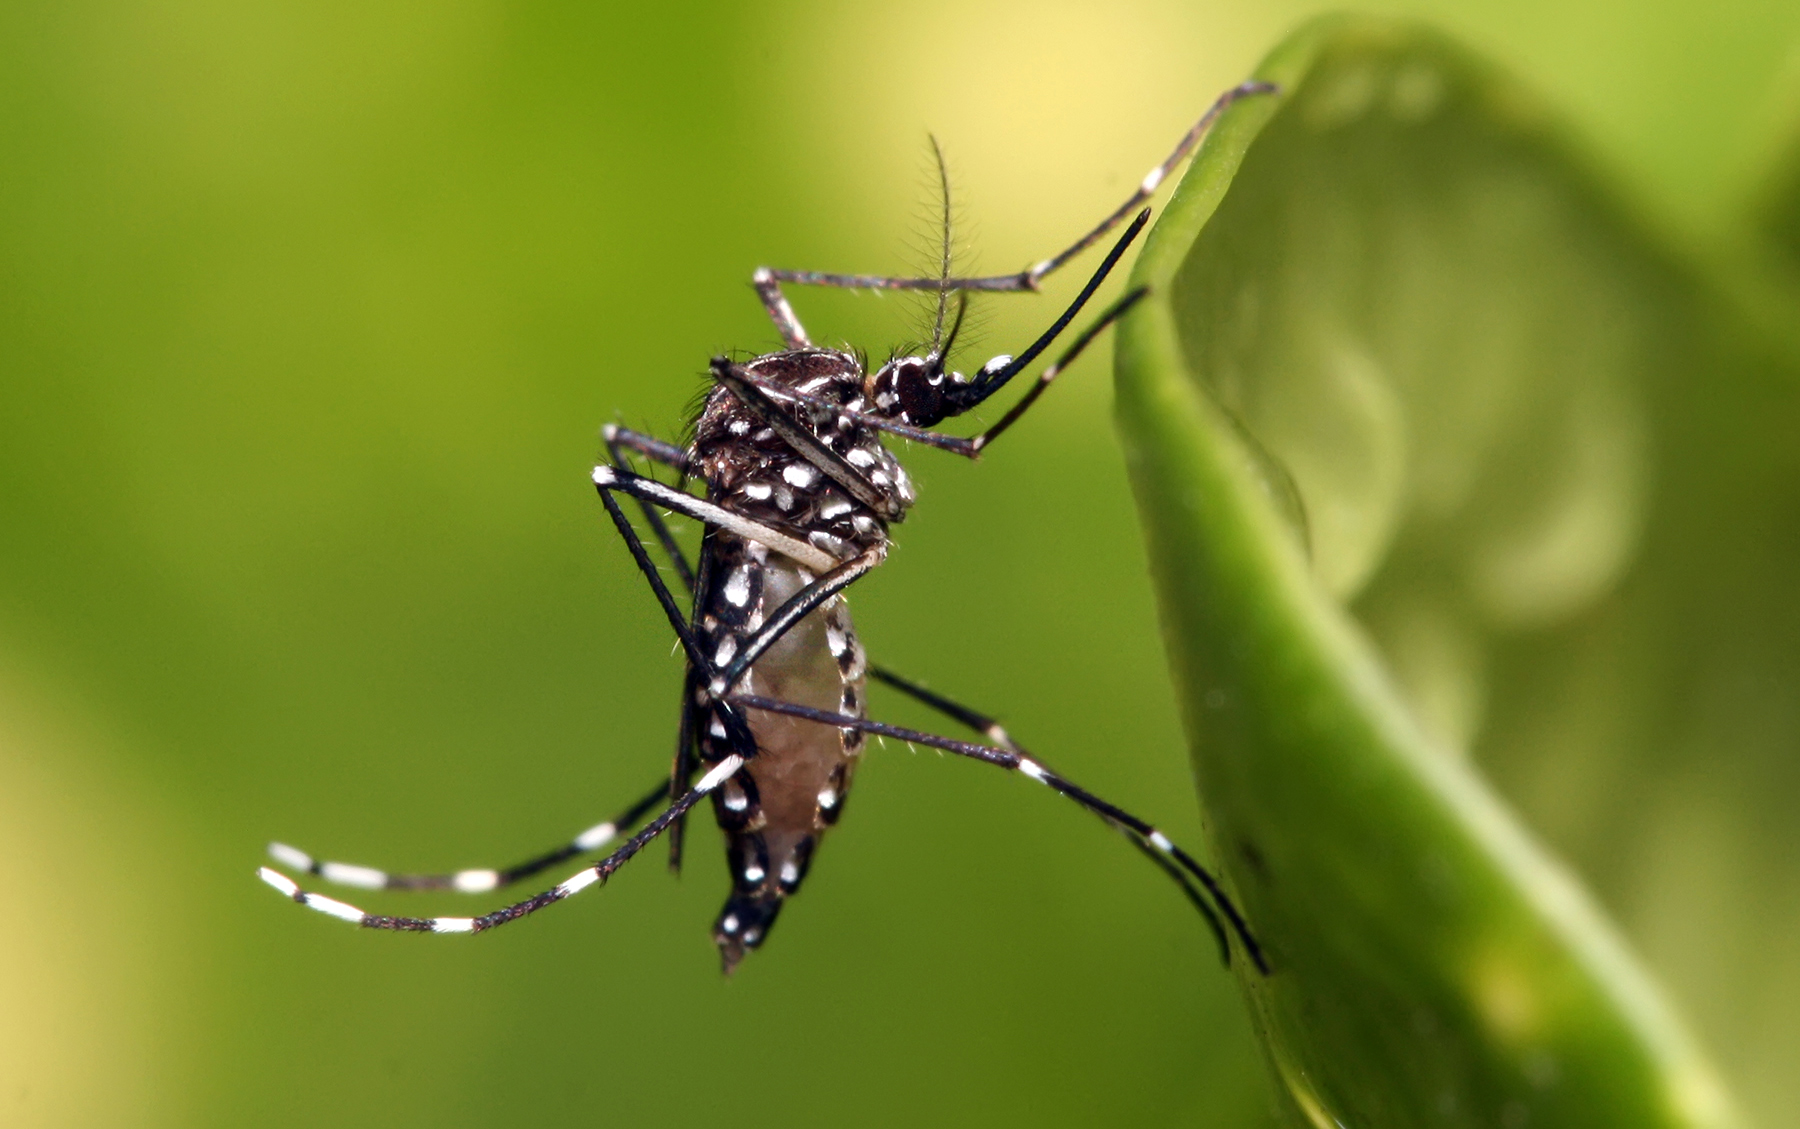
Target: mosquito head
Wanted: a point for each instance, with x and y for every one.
(916, 390)
(920, 391)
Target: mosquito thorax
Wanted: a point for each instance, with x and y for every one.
(755, 472)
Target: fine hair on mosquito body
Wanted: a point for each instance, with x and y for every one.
(797, 497)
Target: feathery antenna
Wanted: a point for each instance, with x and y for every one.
(943, 289)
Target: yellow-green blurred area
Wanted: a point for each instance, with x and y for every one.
(309, 317)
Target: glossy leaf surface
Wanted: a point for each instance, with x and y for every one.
(1412, 397)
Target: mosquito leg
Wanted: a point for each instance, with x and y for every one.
(574, 884)
(1152, 180)
(1112, 314)
(778, 624)
(610, 478)
(687, 760)
(800, 605)
(837, 575)
(767, 281)
(736, 730)
(768, 288)
(641, 557)
(955, 711)
(1020, 762)
(476, 880)
(992, 730)
(682, 771)
(618, 441)
(621, 439)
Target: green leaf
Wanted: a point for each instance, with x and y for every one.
(1778, 209)
(1410, 393)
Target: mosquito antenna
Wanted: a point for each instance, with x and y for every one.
(943, 288)
(962, 307)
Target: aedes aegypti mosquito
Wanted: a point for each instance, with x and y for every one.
(799, 496)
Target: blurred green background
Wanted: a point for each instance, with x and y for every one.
(309, 315)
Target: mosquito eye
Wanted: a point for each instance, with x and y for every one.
(921, 404)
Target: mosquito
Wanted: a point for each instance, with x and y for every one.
(799, 497)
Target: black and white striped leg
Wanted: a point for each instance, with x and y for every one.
(610, 478)
(768, 288)
(622, 439)
(993, 731)
(650, 494)
(768, 282)
(619, 440)
(1036, 770)
(567, 888)
(837, 575)
(641, 558)
(974, 719)
(1152, 180)
(840, 576)
(476, 880)
(736, 731)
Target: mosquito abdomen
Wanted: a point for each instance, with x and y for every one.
(775, 808)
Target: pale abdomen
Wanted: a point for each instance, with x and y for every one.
(774, 810)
